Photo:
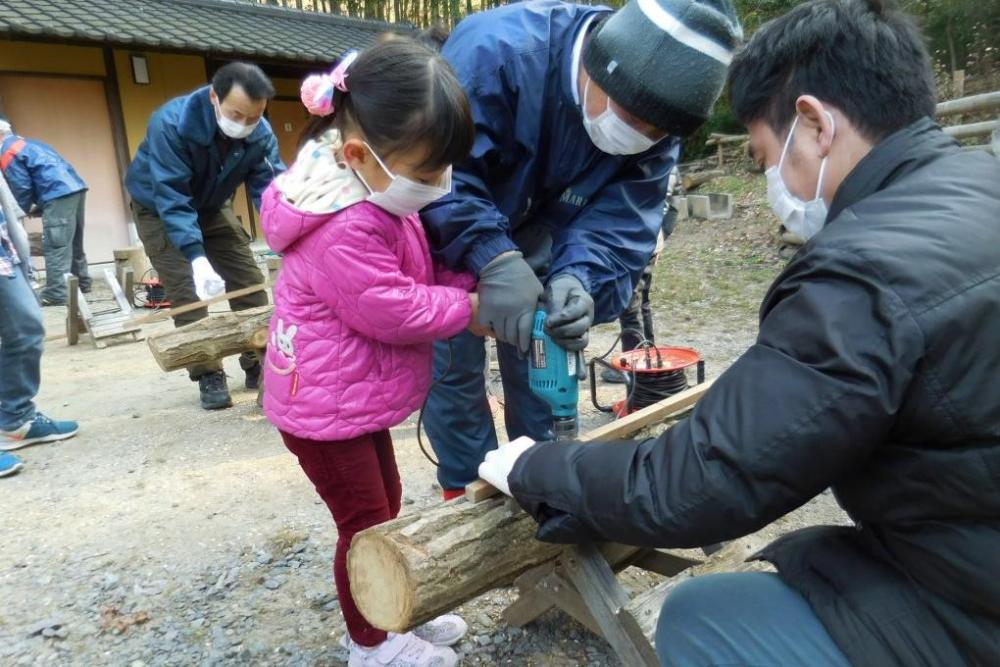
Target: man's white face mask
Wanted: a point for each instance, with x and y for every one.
(803, 218)
(610, 133)
(232, 128)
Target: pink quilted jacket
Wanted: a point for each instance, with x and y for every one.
(356, 308)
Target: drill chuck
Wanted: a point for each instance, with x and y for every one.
(565, 428)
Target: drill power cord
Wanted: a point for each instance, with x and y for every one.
(643, 342)
(423, 407)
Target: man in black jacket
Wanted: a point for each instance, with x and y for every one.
(876, 372)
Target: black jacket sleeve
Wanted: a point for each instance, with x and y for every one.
(807, 402)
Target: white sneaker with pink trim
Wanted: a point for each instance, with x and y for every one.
(446, 630)
(406, 650)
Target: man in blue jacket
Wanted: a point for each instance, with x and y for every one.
(579, 114)
(199, 148)
(40, 178)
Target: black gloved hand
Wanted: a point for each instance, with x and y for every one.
(508, 297)
(571, 312)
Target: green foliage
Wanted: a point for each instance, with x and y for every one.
(722, 120)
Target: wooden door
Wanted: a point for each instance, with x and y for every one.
(71, 115)
(288, 119)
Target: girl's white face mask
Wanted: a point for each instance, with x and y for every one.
(803, 218)
(610, 133)
(405, 196)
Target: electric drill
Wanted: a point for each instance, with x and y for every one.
(554, 374)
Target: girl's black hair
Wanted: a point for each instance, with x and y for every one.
(402, 94)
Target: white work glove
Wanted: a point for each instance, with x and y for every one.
(499, 462)
(207, 283)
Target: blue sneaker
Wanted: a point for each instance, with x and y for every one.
(9, 464)
(38, 430)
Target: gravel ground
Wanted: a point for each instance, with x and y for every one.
(165, 535)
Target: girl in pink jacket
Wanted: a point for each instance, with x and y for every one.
(358, 303)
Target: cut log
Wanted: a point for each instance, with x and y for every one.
(212, 338)
(694, 180)
(416, 567)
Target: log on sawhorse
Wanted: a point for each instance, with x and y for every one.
(420, 565)
(582, 582)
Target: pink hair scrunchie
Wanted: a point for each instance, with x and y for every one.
(317, 90)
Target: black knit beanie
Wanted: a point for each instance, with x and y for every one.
(665, 61)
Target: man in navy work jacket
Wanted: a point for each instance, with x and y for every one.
(874, 374)
(199, 148)
(579, 114)
(40, 177)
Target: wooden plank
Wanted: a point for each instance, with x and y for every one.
(639, 616)
(480, 490)
(657, 412)
(603, 597)
(532, 603)
(83, 307)
(664, 563)
(116, 290)
(529, 604)
(72, 310)
(970, 104)
(161, 315)
(716, 138)
(128, 284)
(983, 147)
(972, 129)
(562, 594)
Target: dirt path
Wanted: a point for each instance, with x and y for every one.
(166, 535)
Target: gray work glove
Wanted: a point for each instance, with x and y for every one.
(508, 298)
(571, 312)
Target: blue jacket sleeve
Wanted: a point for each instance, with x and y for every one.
(466, 230)
(169, 167)
(265, 171)
(609, 243)
(18, 175)
(19, 179)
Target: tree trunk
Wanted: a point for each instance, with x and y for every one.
(693, 180)
(212, 338)
(418, 566)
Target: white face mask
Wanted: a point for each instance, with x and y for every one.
(231, 128)
(803, 218)
(610, 133)
(405, 196)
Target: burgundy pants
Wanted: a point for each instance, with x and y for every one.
(359, 482)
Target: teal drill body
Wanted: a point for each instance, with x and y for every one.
(553, 377)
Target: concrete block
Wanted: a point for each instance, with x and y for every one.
(680, 204)
(711, 206)
(698, 206)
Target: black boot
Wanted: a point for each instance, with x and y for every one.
(250, 363)
(613, 377)
(214, 391)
